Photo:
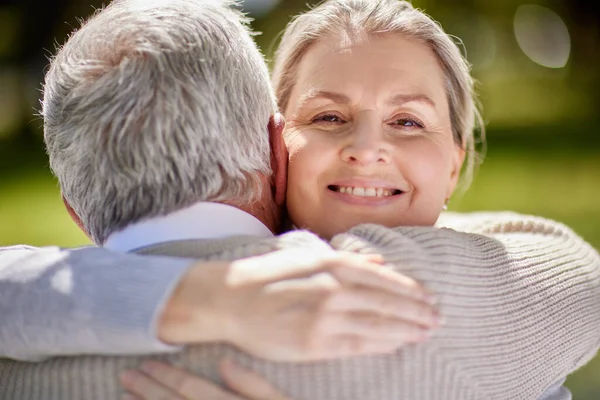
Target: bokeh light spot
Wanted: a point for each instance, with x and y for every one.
(542, 35)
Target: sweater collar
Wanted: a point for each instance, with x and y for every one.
(202, 220)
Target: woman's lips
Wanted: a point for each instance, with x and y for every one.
(367, 196)
(365, 191)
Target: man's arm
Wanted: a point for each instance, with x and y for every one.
(90, 301)
(82, 301)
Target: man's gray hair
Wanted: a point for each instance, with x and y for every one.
(154, 105)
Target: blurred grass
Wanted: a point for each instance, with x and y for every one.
(556, 177)
(564, 187)
(32, 212)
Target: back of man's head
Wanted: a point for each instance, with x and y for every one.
(154, 105)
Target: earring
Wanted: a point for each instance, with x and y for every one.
(445, 205)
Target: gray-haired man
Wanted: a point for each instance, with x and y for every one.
(133, 103)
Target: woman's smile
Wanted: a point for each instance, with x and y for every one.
(366, 192)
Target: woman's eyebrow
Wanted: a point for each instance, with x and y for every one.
(396, 100)
(320, 94)
(401, 99)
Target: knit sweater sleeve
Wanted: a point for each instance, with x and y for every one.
(520, 296)
(83, 301)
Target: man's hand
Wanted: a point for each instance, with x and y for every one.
(157, 381)
(295, 305)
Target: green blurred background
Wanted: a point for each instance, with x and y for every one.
(537, 67)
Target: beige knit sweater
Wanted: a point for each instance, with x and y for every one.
(521, 298)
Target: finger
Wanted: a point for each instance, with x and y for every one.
(352, 345)
(372, 326)
(363, 257)
(291, 264)
(278, 265)
(146, 387)
(247, 383)
(385, 304)
(352, 271)
(184, 383)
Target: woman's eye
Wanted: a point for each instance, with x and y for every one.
(328, 118)
(407, 123)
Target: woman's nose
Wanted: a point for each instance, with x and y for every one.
(366, 147)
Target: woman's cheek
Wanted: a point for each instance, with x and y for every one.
(293, 146)
(427, 163)
(300, 172)
(306, 150)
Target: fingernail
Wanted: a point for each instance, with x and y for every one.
(422, 335)
(430, 298)
(128, 377)
(436, 318)
(127, 396)
(232, 368)
(425, 335)
(149, 366)
(377, 258)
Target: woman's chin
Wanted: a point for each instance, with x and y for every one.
(330, 224)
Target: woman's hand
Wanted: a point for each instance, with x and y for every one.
(158, 381)
(300, 305)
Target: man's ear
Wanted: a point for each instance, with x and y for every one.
(458, 159)
(74, 216)
(279, 158)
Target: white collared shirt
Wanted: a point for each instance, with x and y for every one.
(203, 220)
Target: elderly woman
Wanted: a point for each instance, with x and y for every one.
(381, 116)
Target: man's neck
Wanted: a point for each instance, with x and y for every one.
(264, 209)
(265, 216)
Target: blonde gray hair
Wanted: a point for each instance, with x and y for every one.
(382, 17)
(155, 105)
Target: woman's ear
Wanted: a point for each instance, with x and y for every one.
(279, 158)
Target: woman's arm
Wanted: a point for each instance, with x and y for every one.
(156, 380)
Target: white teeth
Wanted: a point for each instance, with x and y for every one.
(359, 191)
(365, 192)
(371, 192)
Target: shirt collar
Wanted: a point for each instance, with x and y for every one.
(203, 220)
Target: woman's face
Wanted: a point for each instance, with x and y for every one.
(369, 136)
